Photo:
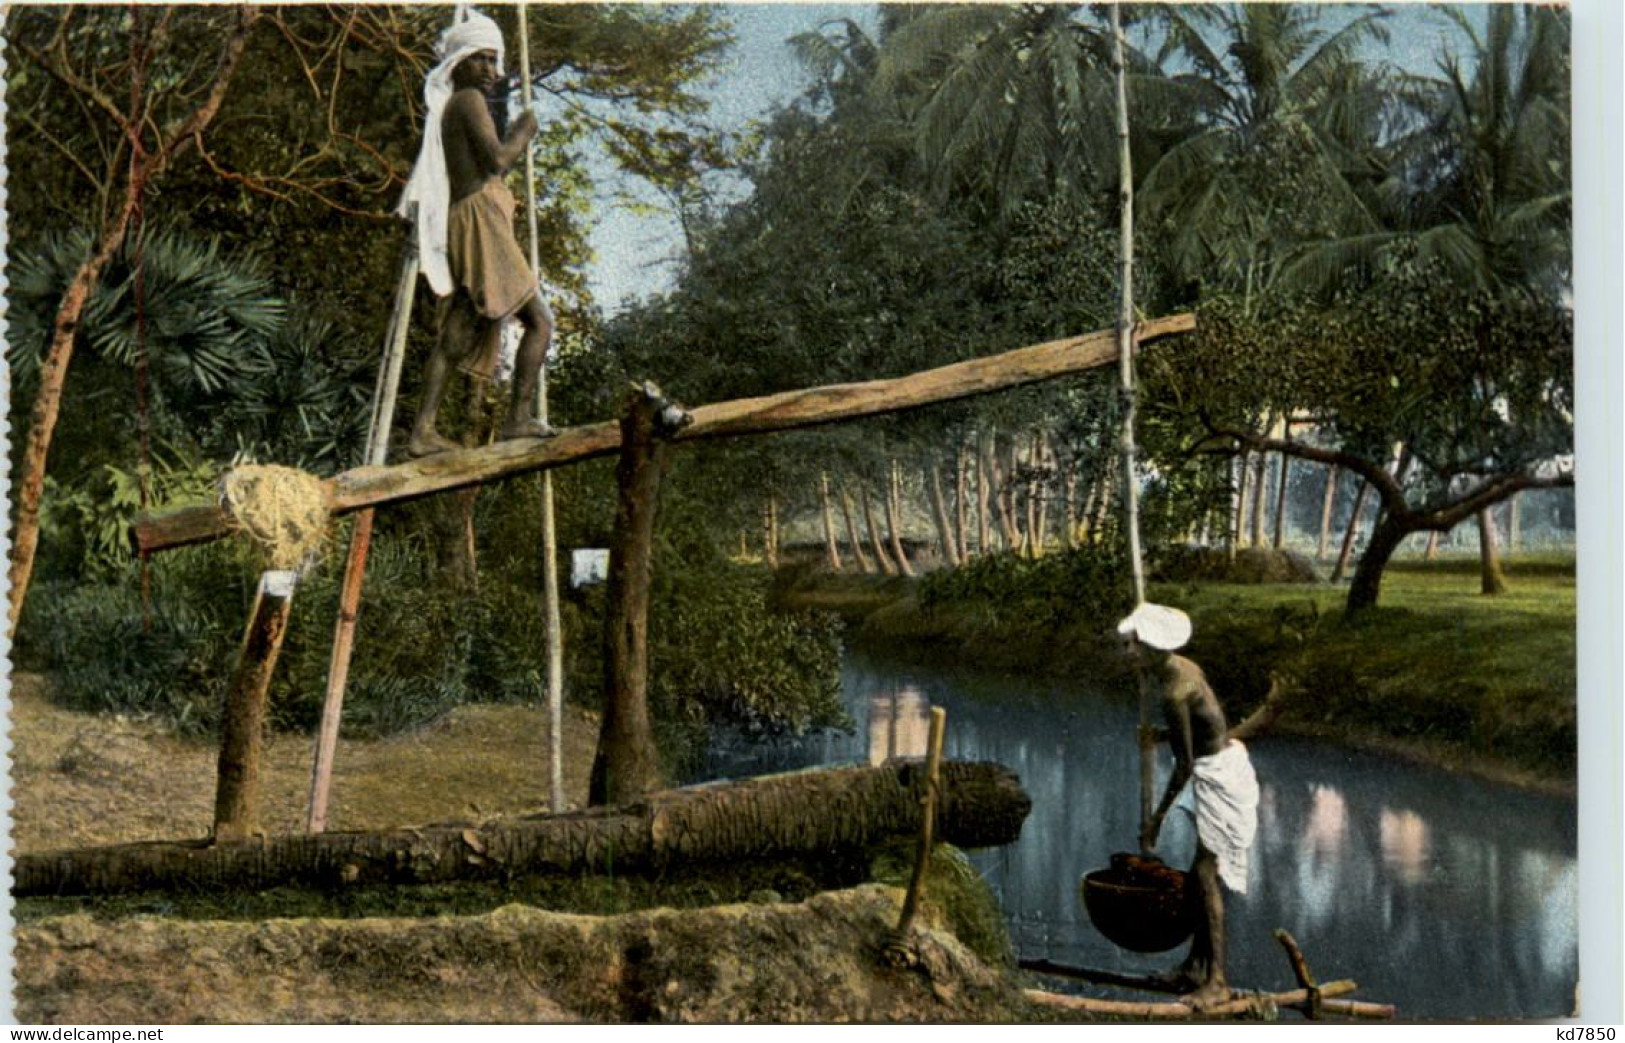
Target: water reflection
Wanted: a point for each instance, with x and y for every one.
(899, 723)
(1449, 897)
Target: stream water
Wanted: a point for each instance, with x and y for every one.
(1449, 897)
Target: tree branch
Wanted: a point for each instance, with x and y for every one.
(231, 53)
(1387, 486)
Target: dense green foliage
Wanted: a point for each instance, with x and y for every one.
(1382, 250)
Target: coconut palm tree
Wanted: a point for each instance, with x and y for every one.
(1287, 152)
(1481, 180)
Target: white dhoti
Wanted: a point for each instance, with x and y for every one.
(1224, 789)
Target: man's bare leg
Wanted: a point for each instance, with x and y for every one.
(425, 439)
(1204, 967)
(537, 319)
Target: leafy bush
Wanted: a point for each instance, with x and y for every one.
(104, 659)
(1084, 585)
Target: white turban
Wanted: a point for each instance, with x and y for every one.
(429, 188)
(1159, 626)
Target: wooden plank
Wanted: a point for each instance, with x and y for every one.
(809, 407)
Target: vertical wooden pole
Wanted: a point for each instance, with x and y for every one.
(626, 765)
(928, 819)
(554, 636)
(338, 667)
(242, 730)
(1125, 352)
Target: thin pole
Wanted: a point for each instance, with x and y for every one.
(550, 573)
(355, 568)
(1125, 352)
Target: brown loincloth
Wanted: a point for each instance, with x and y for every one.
(491, 273)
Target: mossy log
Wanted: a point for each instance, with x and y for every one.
(773, 816)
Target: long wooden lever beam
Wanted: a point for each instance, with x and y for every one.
(809, 407)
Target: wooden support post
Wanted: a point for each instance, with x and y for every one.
(627, 764)
(928, 821)
(242, 730)
(355, 569)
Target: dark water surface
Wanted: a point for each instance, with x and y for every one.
(1449, 897)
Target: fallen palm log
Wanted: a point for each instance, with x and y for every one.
(796, 814)
(377, 486)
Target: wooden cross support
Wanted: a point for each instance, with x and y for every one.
(377, 486)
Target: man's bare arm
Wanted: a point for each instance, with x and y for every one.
(491, 154)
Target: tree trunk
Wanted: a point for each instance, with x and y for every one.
(1070, 517)
(945, 531)
(894, 521)
(886, 564)
(627, 764)
(846, 809)
(770, 532)
(832, 547)
(1280, 502)
(1086, 523)
(149, 162)
(1103, 505)
(1260, 496)
(982, 521)
(1351, 532)
(1491, 579)
(864, 563)
(1326, 512)
(1038, 490)
(961, 490)
(808, 407)
(1514, 522)
(1001, 504)
(1432, 553)
(1238, 527)
(1012, 490)
(242, 727)
(1385, 539)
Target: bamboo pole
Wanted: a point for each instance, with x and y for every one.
(554, 638)
(1125, 355)
(355, 568)
(1175, 1010)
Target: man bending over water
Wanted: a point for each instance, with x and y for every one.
(1225, 790)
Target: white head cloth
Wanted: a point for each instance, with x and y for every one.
(1158, 626)
(429, 188)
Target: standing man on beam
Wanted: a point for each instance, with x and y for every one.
(464, 214)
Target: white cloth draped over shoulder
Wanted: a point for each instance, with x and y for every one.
(1224, 789)
(429, 188)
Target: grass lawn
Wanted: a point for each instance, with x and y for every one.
(1435, 663)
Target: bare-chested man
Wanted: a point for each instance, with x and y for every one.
(465, 232)
(1225, 788)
